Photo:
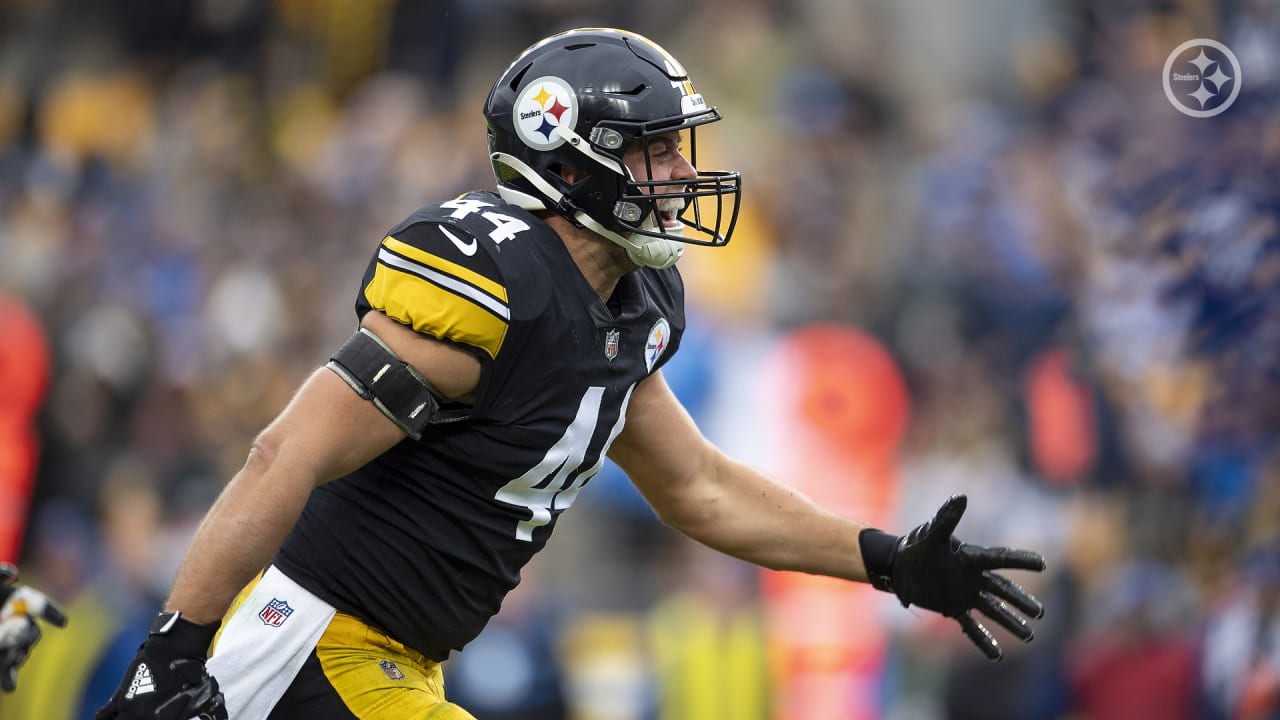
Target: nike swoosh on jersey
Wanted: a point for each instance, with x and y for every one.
(467, 249)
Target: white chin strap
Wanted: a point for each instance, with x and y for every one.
(657, 253)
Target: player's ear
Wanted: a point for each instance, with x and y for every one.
(571, 174)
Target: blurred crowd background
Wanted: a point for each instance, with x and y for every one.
(1078, 285)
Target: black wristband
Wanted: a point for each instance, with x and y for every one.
(188, 638)
(878, 552)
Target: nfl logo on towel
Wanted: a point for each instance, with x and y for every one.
(275, 613)
(391, 670)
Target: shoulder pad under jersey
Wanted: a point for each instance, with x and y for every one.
(443, 270)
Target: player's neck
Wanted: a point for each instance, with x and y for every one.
(601, 262)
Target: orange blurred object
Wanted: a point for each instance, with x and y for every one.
(841, 416)
(24, 377)
(1061, 417)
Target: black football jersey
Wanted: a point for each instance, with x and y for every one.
(425, 541)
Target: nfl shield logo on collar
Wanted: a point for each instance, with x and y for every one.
(611, 344)
(275, 613)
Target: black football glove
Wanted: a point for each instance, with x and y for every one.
(931, 568)
(20, 607)
(167, 679)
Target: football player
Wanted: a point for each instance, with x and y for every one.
(20, 607)
(507, 343)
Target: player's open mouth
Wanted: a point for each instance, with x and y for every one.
(669, 214)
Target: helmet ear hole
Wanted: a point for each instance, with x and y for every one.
(570, 173)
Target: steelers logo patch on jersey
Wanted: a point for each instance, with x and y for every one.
(659, 337)
(544, 105)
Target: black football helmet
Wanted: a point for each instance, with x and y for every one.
(581, 98)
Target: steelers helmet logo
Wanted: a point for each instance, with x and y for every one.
(544, 105)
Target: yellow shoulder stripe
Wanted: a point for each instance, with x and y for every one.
(493, 288)
(434, 310)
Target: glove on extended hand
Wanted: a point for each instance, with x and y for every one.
(20, 607)
(167, 679)
(931, 568)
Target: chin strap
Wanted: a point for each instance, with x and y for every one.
(657, 253)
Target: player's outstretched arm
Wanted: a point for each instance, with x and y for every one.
(20, 608)
(931, 568)
(732, 508)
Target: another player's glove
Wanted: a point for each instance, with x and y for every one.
(167, 679)
(20, 607)
(931, 568)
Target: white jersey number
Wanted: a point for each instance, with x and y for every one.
(505, 227)
(546, 486)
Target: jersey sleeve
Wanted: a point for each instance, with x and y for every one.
(440, 280)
